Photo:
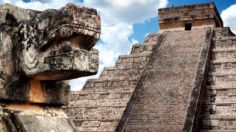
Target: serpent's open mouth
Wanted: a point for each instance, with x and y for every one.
(67, 46)
(68, 57)
(71, 38)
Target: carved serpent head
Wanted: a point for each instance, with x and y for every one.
(47, 45)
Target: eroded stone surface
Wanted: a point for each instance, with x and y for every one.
(39, 51)
(33, 118)
(48, 45)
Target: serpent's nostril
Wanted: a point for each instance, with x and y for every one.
(66, 47)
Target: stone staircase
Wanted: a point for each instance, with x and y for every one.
(219, 108)
(164, 94)
(101, 103)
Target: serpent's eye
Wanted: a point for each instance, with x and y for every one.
(10, 19)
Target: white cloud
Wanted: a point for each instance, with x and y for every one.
(128, 11)
(229, 17)
(134, 41)
(39, 4)
(117, 16)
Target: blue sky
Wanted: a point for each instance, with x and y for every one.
(125, 22)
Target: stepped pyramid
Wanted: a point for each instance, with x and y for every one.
(181, 79)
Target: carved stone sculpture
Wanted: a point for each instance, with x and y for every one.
(38, 52)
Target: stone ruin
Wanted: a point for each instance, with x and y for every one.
(38, 52)
(182, 78)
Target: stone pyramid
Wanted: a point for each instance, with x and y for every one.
(181, 79)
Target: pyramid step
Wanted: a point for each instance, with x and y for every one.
(217, 130)
(96, 113)
(223, 67)
(133, 57)
(225, 39)
(220, 128)
(224, 49)
(217, 117)
(222, 84)
(212, 91)
(229, 110)
(224, 42)
(125, 89)
(101, 94)
(120, 72)
(223, 60)
(222, 87)
(221, 78)
(96, 129)
(133, 61)
(220, 100)
(219, 124)
(138, 48)
(152, 38)
(100, 102)
(99, 124)
(221, 32)
(154, 128)
(230, 55)
(112, 83)
(222, 73)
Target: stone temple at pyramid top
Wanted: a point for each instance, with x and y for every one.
(189, 17)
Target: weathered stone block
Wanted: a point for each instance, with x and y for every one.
(39, 51)
(45, 49)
